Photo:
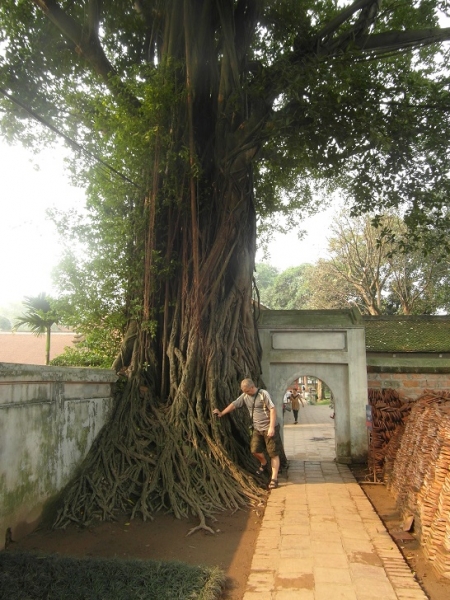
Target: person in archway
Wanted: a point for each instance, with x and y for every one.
(266, 431)
(296, 399)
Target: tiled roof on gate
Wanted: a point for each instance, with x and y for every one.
(410, 333)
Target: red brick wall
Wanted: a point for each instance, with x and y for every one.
(28, 349)
(409, 385)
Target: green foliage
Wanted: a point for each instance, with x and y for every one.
(98, 348)
(289, 290)
(377, 126)
(80, 357)
(265, 276)
(302, 90)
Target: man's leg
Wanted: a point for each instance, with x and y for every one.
(275, 464)
(275, 450)
(257, 445)
(273, 447)
(261, 458)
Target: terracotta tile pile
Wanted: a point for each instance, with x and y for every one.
(389, 415)
(418, 475)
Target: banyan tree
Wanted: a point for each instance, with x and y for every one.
(192, 122)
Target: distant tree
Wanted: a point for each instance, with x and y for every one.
(442, 292)
(414, 283)
(360, 259)
(39, 318)
(5, 324)
(10, 310)
(328, 290)
(290, 290)
(93, 303)
(265, 276)
(370, 269)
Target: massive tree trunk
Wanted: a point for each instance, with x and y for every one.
(162, 448)
(196, 336)
(195, 341)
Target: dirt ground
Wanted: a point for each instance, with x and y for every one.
(164, 538)
(230, 548)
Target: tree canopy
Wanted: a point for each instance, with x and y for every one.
(368, 268)
(314, 86)
(192, 122)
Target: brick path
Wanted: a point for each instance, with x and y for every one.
(320, 538)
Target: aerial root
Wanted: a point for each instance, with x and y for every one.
(201, 525)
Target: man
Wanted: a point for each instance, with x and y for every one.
(266, 432)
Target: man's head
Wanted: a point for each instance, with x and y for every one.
(247, 385)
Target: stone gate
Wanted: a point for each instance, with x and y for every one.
(328, 345)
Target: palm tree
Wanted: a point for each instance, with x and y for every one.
(39, 317)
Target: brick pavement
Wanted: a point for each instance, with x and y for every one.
(320, 537)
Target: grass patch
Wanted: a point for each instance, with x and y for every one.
(31, 576)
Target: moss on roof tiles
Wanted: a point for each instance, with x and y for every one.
(407, 333)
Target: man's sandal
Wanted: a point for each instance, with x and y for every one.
(262, 470)
(273, 484)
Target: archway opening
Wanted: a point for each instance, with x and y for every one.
(308, 420)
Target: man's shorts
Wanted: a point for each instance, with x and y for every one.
(261, 441)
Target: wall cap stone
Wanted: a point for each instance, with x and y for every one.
(310, 319)
(403, 363)
(10, 372)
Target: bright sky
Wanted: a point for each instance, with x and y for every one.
(289, 251)
(29, 247)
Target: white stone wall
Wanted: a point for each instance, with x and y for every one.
(49, 417)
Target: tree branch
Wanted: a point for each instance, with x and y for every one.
(246, 16)
(375, 44)
(87, 44)
(401, 40)
(343, 16)
(94, 9)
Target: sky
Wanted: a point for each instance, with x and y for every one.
(293, 249)
(29, 245)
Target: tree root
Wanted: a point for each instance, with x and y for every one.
(201, 525)
(149, 459)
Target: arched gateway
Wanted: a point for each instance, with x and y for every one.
(328, 345)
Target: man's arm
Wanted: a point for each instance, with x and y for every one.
(225, 411)
(273, 420)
